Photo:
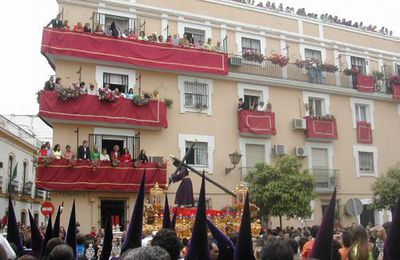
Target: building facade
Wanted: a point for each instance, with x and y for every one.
(324, 106)
(17, 172)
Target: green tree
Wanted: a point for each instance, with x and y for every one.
(386, 189)
(283, 189)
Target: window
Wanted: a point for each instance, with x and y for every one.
(108, 141)
(196, 94)
(121, 22)
(316, 106)
(366, 159)
(10, 166)
(251, 44)
(366, 162)
(397, 67)
(203, 154)
(195, 35)
(313, 54)
(24, 172)
(362, 113)
(116, 81)
(199, 154)
(359, 63)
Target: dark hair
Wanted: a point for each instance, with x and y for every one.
(168, 240)
(56, 146)
(314, 231)
(302, 242)
(146, 253)
(295, 246)
(51, 244)
(61, 252)
(26, 257)
(210, 242)
(335, 250)
(277, 249)
(85, 141)
(346, 238)
(126, 151)
(359, 238)
(82, 84)
(58, 79)
(80, 238)
(67, 146)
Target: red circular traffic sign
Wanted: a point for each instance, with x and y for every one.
(47, 208)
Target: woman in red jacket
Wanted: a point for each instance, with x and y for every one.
(126, 156)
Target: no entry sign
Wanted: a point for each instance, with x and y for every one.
(47, 208)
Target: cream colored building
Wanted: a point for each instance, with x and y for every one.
(293, 92)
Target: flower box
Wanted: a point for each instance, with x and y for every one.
(321, 128)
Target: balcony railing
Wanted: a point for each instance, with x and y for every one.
(62, 175)
(291, 71)
(256, 123)
(27, 188)
(326, 179)
(39, 194)
(87, 109)
(13, 186)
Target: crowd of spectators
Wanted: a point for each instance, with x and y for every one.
(326, 17)
(261, 106)
(113, 30)
(85, 153)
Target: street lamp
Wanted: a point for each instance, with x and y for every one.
(235, 159)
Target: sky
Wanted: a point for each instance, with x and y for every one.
(25, 70)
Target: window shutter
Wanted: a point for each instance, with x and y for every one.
(319, 158)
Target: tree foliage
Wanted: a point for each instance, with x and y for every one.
(386, 189)
(283, 189)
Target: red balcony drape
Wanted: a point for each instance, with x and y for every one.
(256, 122)
(321, 129)
(82, 176)
(364, 132)
(365, 83)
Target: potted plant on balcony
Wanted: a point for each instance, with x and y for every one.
(352, 71)
(329, 67)
(253, 55)
(278, 59)
(141, 101)
(65, 94)
(378, 75)
(168, 102)
(106, 95)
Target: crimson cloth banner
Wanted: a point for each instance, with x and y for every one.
(364, 132)
(135, 52)
(396, 91)
(89, 108)
(61, 175)
(321, 129)
(365, 83)
(256, 122)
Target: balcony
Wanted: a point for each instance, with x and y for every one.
(62, 175)
(13, 187)
(364, 132)
(94, 48)
(256, 123)
(292, 72)
(39, 194)
(27, 188)
(326, 180)
(321, 129)
(88, 109)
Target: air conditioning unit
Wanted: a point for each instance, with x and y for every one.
(235, 61)
(299, 123)
(301, 151)
(279, 149)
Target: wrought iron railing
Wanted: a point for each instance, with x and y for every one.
(13, 186)
(326, 179)
(238, 64)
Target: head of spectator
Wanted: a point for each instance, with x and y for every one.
(153, 37)
(43, 150)
(98, 29)
(57, 148)
(87, 28)
(91, 90)
(302, 241)
(51, 245)
(61, 252)
(58, 81)
(168, 240)
(49, 85)
(116, 148)
(148, 253)
(314, 231)
(346, 238)
(295, 246)
(169, 39)
(209, 41)
(160, 38)
(68, 148)
(130, 91)
(213, 249)
(104, 151)
(277, 249)
(95, 149)
(85, 144)
(359, 243)
(48, 146)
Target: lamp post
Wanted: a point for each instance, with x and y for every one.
(235, 159)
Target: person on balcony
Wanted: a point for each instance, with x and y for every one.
(130, 94)
(84, 151)
(115, 31)
(56, 22)
(184, 193)
(65, 25)
(99, 30)
(82, 88)
(49, 85)
(68, 154)
(242, 105)
(126, 156)
(104, 157)
(57, 152)
(176, 40)
(143, 157)
(91, 90)
(261, 107)
(132, 35)
(78, 27)
(142, 36)
(208, 45)
(95, 156)
(49, 149)
(115, 156)
(184, 41)
(118, 94)
(217, 47)
(169, 40)
(87, 28)
(57, 84)
(43, 151)
(160, 38)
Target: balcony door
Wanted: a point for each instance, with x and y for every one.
(255, 153)
(116, 209)
(109, 141)
(320, 166)
(358, 63)
(252, 98)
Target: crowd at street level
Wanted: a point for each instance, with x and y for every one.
(317, 242)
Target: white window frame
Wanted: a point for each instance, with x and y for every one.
(265, 142)
(210, 140)
(205, 28)
(395, 65)
(303, 48)
(369, 149)
(370, 110)
(328, 146)
(366, 58)
(181, 88)
(100, 70)
(239, 36)
(324, 97)
(264, 90)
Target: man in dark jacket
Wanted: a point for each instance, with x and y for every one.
(84, 151)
